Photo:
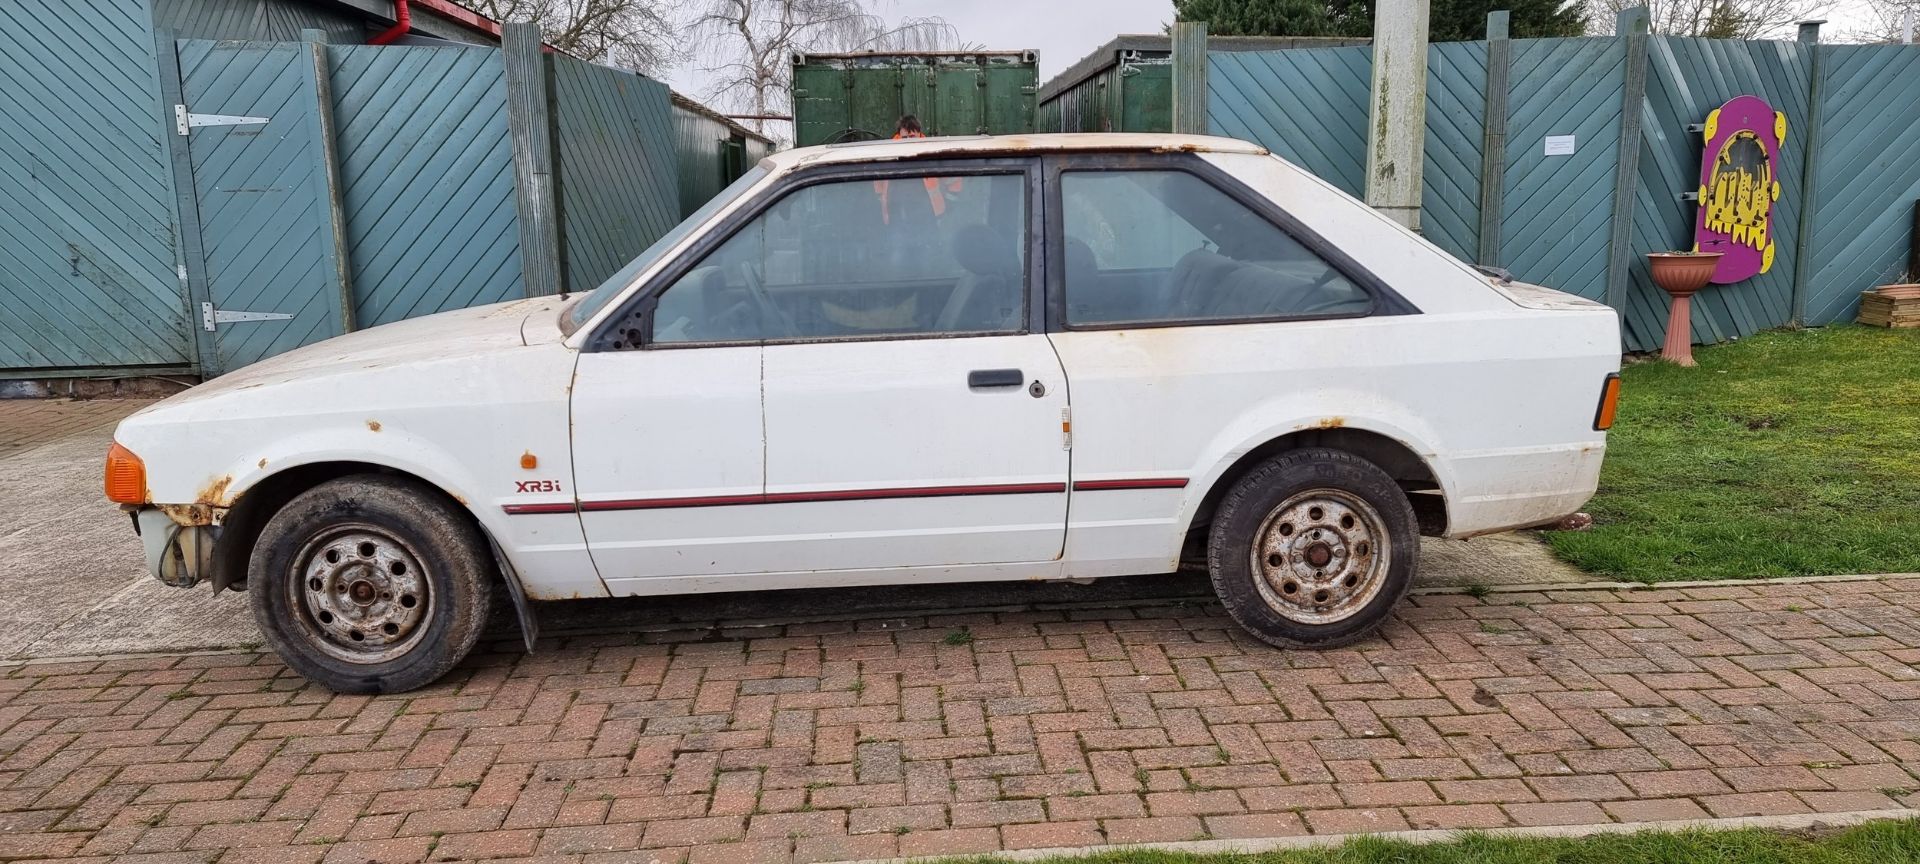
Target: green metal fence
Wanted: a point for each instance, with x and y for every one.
(1583, 222)
(175, 205)
(614, 153)
(1867, 174)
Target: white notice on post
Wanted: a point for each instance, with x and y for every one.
(1559, 145)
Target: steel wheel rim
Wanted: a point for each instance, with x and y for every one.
(1321, 556)
(360, 594)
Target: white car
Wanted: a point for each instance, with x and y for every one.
(933, 360)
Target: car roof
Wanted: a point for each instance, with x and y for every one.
(983, 145)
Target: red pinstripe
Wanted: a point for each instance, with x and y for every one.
(790, 498)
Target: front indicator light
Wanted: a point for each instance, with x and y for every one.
(126, 476)
(1609, 403)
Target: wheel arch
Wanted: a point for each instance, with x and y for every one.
(1415, 474)
(251, 508)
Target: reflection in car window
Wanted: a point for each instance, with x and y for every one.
(906, 256)
(1167, 246)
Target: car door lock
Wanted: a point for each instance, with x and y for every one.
(1037, 389)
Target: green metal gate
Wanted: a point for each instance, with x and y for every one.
(250, 123)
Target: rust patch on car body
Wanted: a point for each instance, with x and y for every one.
(214, 494)
(1331, 423)
(263, 463)
(188, 514)
(373, 425)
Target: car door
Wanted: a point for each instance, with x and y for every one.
(913, 417)
(1182, 301)
(843, 379)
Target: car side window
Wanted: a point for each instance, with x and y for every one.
(904, 256)
(1170, 247)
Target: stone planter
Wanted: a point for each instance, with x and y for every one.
(1681, 274)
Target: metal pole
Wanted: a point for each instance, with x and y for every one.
(1397, 112)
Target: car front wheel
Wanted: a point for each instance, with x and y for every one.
(370, 584)
(1313, 548)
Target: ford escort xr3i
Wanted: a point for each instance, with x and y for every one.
(905, 362)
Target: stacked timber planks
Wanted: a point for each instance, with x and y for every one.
(1891, 306)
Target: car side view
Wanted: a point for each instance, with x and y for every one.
(909, 362)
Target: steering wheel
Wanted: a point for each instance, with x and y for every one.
(770, 314)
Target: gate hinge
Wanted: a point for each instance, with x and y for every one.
(184, 120)
(211, 317)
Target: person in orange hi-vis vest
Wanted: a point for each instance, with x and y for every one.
(909, 127)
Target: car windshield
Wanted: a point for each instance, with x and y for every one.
(591, 301)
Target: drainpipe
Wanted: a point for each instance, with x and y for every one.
(402, 24)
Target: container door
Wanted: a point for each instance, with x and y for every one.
(251, 123)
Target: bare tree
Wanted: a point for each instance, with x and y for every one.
(631, 34)
(747, 44)
(1887, 21)
(1718, 19)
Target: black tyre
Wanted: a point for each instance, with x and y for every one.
(370, 584)
(1313, 548)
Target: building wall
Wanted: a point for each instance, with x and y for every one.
(87, 262)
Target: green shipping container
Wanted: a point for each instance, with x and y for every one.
(861, 97)
(711, 150)
(1126, 85)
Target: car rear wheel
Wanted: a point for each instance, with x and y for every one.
(1313, 548)
(370, 584)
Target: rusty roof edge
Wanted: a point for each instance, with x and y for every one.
(1107, 55)
(682, 100)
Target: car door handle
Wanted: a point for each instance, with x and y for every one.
(996, 378)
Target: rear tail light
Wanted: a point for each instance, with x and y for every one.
(126, 476)
(1609, 403)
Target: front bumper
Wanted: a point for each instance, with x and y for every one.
(177, 555)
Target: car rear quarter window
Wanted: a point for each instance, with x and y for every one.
(1160, 247)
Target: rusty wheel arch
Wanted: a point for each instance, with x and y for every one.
(241, 528)
(1393, 456)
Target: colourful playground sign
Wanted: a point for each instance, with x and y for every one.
(1739, 183)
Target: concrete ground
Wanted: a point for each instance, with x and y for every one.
(73, 581)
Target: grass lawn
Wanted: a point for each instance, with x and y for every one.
(1872, 843)
(1788, 453)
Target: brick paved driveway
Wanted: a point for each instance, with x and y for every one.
(1053, 726)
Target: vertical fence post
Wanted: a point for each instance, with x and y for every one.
(1493, 139)
(1189, 77)
(1397, 110)
(321, 128)
(1803, 234)
(1632, 30)
(191, 258)
(529, 121)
